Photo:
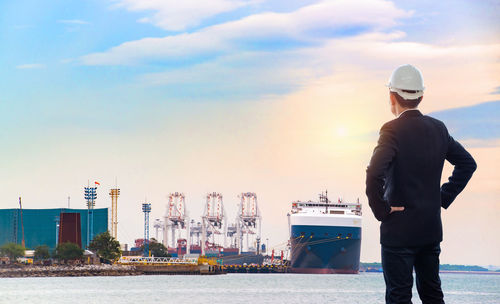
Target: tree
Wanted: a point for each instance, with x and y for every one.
(12, 250)
(106, 246)
(69, 251)
(157, 249)
(42, 252)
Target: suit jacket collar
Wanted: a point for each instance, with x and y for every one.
(410, 113)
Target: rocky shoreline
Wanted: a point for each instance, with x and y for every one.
(24, 271)
(68, 271)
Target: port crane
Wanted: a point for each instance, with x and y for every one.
(213, 220)
(176, 220)
(248, 221)
(157, 225)
(195, 233)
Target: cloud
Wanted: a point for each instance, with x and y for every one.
(239, 76)
(270, 54)
(21, 26)
(175, 15)
(73, 21)
(480, 122)
(250, 74)
(309, 24)
(31, 66)
(496, 91)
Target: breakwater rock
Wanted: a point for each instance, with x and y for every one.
(68, 271)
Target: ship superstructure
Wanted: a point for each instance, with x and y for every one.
(325, 237)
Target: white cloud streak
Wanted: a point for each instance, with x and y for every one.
(31, 66)
(73, 21)
(175, 15)
(299, 25)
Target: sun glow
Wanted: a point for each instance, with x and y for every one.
(341, 131)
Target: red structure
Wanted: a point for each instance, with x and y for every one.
(70, 229)
(139, 243)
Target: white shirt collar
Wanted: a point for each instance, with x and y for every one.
(414, 109)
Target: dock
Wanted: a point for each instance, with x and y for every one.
(255, 268)
(173, 266)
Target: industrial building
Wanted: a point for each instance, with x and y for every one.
(41, 226)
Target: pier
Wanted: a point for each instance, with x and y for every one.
(173, 266)
(255, 269)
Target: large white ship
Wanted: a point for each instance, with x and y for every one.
(325, 237)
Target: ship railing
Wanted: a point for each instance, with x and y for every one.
(276, 261)
(157, 260)
(329, 205)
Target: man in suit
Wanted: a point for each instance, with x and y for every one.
(403, 185)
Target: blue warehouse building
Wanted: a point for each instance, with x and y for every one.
(41, 225)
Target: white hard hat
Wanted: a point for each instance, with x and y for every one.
(407, 78)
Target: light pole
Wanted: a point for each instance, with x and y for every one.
(146, 208)
(90, 197)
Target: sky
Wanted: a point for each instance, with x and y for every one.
(281, 98)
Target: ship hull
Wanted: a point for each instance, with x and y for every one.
(325, 249)
(323, 271)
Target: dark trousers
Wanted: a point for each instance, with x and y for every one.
(398, 264)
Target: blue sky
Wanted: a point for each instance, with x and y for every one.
(474, 122)
(184, 96)
(47, 77)
(52, 37)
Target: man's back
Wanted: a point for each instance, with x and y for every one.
(408, 161)
(403, 188)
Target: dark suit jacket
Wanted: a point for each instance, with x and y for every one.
(405, 170)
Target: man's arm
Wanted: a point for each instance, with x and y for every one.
(462, 173)
(375, 173)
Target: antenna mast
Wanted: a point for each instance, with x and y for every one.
(22, 223)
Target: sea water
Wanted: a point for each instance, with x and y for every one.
(235, 288)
